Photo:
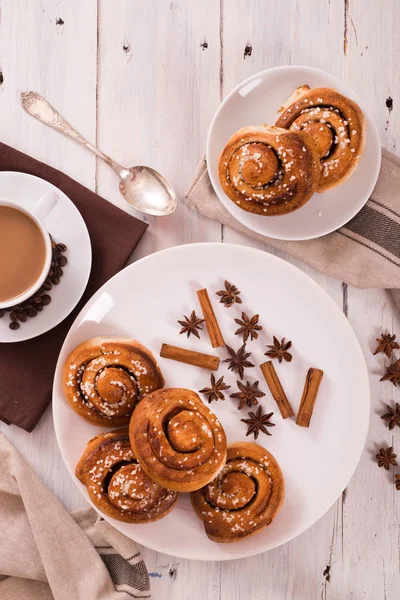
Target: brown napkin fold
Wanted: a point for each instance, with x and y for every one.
(47, 553)
(364, 253)
(27, 368)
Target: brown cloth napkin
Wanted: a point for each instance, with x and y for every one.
(29, 366)
(364, 253)
(48, 553)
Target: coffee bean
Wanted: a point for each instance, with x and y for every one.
(2, 312)
(46, 299)
(62, 261)
(22, 316)
(37, 300)
(13, 316)
(47, 286)
(39, 307)
(51, 272)
(61, 247)
(55, 255)
(55, 280)
(58, 271)
(53, 244)
(31, 312)
(14, 325)
(9, 309)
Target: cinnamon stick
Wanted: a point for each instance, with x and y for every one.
(197, 359)
(310, 392)
(276, 389)
(214, 332)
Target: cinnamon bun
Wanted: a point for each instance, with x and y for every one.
(269, 171)
(178, 441)
(116, 483)
(335, 123)
(105, 377)
(244, 498)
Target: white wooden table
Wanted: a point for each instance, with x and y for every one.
(142, 79)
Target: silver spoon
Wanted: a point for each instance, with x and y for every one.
(142, 187)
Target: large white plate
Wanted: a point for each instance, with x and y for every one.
(66, 225)
(146, 299)
(257, 100)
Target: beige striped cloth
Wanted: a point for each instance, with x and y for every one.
(47, 553)
(364, 253)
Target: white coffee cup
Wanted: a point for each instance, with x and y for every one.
(37, 213)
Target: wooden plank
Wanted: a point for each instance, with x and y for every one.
(275, 34)
(159, 88)
(370, 566)
(38, 52)
(371, 65)
(177, 579)
(370, 514)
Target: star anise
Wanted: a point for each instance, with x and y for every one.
(191, 324)
(386, 344)
(392, 416)
(248, 327)
(279, 350)
(248, 394)
(215, 391)
(386, 457)
(238, 360)
(392, 373)
(258, 422)
(229, 295)
(397, 482)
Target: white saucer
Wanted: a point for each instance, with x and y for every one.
(317, 462)
(257, 100)
(65, 225)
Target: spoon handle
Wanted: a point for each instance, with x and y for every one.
(38, 107)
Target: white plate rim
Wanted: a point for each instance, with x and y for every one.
(228, 203)
(329, 300)
(67, 311)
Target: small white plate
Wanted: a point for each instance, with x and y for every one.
(66, 225)
(146, 299)
(256, 101)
